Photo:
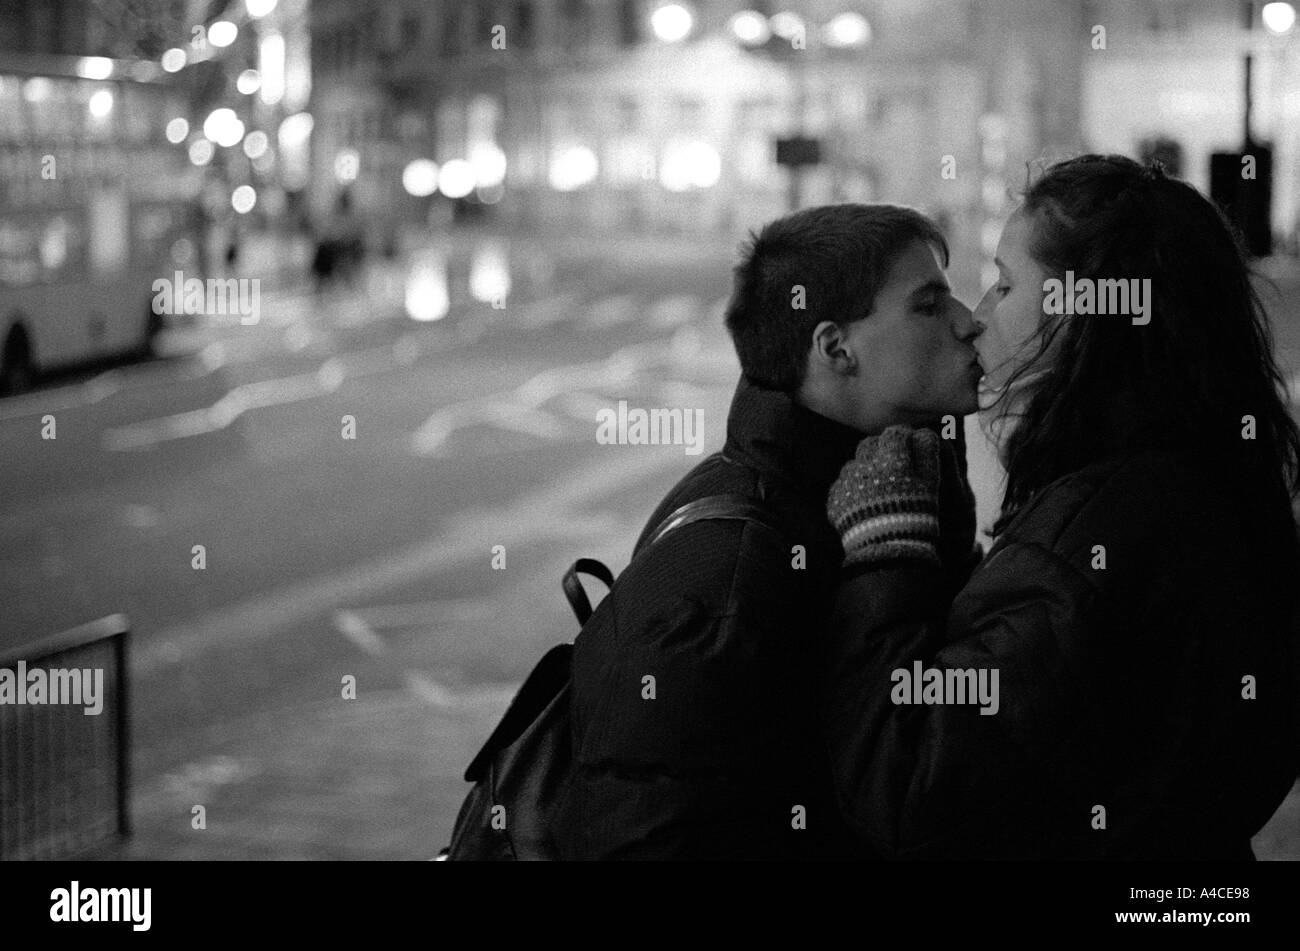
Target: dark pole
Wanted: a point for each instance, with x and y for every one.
(1248, 139)
(1248, 21)
(795, 196)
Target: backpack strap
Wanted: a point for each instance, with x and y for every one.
(551, 675)
(728, 507)
(573, 588)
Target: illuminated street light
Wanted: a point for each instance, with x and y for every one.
(248, 82)
(489, 164)
(456, 179)
(573, 167)
(101, 103)
(347, 165)
(271, 67)
(177, 130)
(243, 198)
(750, 27)
(173, 61)
(489, 273)
(1279, 18)
(256, 144)
(688, 165)
(296, 130)
(420, 178)
(426, 289)
(201, 151)
(847, 30)
(94, 67)
(259, 8)
(222, 33)
(223, 127)
(672, 22)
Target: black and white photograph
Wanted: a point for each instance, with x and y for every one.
(691, 431)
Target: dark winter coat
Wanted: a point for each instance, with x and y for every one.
(1132, 610)
(727, 760)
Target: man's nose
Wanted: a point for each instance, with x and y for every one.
(964, 325)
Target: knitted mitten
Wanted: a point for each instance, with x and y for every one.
(885, 504)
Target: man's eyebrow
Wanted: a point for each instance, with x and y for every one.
(934, 286)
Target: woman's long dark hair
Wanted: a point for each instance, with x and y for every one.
(1187, 378)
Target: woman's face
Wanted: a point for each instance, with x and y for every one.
(1012, 309)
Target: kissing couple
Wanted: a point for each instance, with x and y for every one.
(853, 676)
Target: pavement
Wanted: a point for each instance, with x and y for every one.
(242, 708)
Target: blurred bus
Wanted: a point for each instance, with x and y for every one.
(95, 205)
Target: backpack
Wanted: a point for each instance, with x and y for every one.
(522, 770)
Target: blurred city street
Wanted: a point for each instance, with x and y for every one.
(329, 557)
(335, 489)
(372, 557)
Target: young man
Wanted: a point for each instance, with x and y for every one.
(695, 720)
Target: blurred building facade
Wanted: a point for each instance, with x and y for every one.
(1173, 73)
(602, 124)
(119, 30)
(590, 115)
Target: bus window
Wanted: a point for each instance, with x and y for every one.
(19, 263)
(110, 237)
(13, 119)
(38, 248)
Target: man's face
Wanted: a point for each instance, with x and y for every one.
(916, 359)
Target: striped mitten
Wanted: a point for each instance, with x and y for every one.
(885, 504)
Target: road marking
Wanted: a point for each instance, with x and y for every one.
(543, 514)
(519, 408)
(362, 634)
(111, 382)
(427, 690)
(278, 391)
(358, 632)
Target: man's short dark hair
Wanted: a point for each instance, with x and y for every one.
(839, 255)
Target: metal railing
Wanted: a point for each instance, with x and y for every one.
(64, 774)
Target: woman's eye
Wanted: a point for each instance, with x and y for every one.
(1002, 289)
(929, 309)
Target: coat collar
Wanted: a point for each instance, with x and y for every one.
(770, 432)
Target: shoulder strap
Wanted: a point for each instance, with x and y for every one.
(714, 508)
(578, 599)
(711, 508)
(551, 675)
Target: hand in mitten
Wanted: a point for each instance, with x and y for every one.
(885, 503)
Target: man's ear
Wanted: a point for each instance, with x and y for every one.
(830, 348)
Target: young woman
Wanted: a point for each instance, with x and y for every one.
(1117, 677)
